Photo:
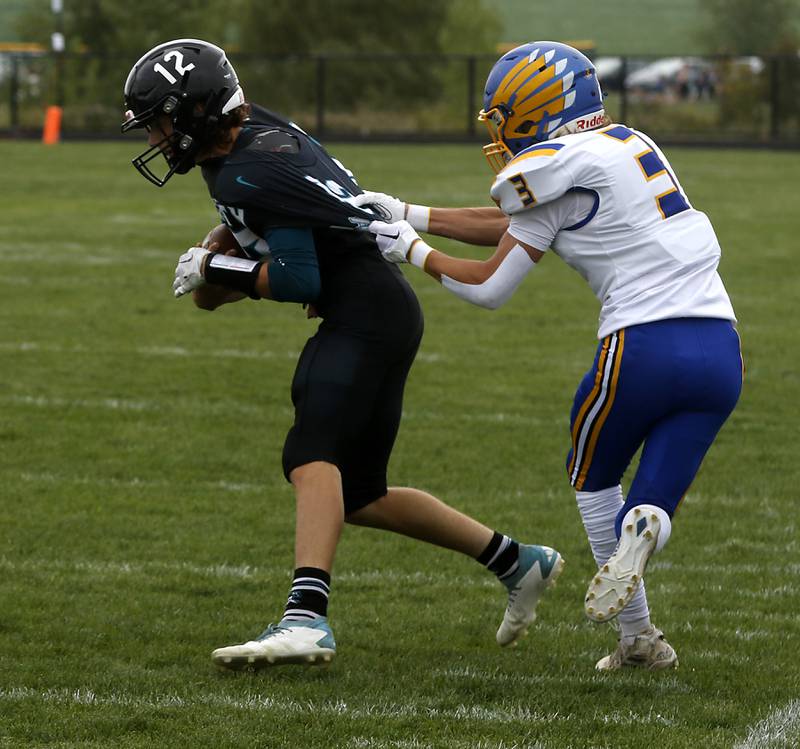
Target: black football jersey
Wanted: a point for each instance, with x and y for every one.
(278, 176)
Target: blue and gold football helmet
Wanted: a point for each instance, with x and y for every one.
(534, 92)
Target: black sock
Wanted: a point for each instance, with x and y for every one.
(308, 598)
(501, 556)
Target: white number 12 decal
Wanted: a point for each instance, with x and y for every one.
(180, 68)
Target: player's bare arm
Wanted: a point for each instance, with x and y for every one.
(211, 296)
(482, 226)
(438, 264)
(215, 278)
(487, 283)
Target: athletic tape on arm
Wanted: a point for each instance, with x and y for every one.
(236, 273)
(498, 288)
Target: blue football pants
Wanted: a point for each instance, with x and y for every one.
(669, 385)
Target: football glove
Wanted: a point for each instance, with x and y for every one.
(389, 209)
(394, 240)
(189, 271)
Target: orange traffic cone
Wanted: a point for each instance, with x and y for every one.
(52, 125)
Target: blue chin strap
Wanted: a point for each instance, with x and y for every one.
(541, 131)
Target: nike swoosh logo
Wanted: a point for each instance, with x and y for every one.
(391, 236)
(242, 181)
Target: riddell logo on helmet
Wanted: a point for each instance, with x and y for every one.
(586, 123)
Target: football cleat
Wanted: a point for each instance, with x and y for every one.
(539, 567)
(613, 585)
(307, 642)
(647, 650)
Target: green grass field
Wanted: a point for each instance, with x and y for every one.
(144, 520)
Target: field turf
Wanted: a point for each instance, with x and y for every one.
(144, 520)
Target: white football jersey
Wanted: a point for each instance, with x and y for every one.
(608, 203)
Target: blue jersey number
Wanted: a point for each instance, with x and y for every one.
(669, 202)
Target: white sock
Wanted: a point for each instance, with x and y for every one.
(599, 514)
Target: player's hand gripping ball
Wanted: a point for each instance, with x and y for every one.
(223, 238)
(189, 271)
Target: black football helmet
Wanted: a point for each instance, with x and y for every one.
(191, 82)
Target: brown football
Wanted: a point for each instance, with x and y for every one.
(224, 237)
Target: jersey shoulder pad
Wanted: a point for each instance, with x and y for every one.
(536, 175)
(245, 180)
(281, 192)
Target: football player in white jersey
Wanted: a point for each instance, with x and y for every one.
(668, 368)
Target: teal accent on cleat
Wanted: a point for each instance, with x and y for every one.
(539, 567)
(614, 584)
(288, 641)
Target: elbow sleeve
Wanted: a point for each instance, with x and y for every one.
(293, 282)
(293, 269)
(496, 290)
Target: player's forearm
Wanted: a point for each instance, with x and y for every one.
(211, 296)
(438, 264)
(478, 226)
(488, 283)
(262, 282)
(229, 278)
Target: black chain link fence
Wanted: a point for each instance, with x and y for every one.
(692, 100)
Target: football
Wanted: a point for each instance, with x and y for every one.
(224, 238)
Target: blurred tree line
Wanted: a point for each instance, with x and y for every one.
(363, 84)
(272, 45)
(769, 28)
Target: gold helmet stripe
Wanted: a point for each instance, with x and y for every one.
(553, 94)
(538, 80)
(512, 79)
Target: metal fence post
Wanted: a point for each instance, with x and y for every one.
(321, 95)
(774, 98)
(13, 100)
(471, 95)
(623, 91)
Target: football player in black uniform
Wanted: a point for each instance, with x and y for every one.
(289, 205)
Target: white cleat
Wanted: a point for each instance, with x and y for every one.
(648, 650)
(614, 584)
(539, 567)
(309, 642)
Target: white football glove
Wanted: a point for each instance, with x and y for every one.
(394, 240)
(188, 271)
(388, 208)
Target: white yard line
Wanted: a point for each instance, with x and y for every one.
(248, 407)
(264, 703)
(225, 570)
(129, 404)
(171, 351)
(136, 482)
(371, 742)
(667, 685)
(779, 730)
(161, 351)
(349, 710)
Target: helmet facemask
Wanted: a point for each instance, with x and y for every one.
(497, 152)
(178, 148)
(189, 84)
